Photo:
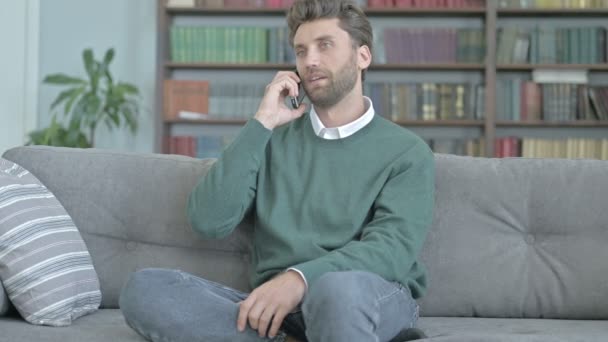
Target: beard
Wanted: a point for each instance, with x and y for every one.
(339, 84)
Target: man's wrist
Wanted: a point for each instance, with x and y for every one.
(265, 120)
(300, 276)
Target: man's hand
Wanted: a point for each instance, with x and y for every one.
(271, 302)
(272, 111)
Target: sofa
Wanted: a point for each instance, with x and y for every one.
(518, 250)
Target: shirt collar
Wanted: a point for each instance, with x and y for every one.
(344, 130)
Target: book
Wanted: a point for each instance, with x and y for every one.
(185, 96)
(181, 3)
(560, 76)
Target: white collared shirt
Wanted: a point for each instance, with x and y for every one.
(340, 132)
(343, 131)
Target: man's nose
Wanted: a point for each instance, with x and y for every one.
(312, 58)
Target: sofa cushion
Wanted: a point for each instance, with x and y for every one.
(518, 238)
(454, 329)
(100, 326)
(45, 267)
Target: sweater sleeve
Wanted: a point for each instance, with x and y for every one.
(223, 196)
(402, 213)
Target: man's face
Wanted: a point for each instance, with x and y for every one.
(326, 61)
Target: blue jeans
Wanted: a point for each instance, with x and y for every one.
(171, 305)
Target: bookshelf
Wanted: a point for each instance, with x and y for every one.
(489, 71)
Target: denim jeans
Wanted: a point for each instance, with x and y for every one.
(171, 305)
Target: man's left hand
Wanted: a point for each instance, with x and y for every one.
(271, 302)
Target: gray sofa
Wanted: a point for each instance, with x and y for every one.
(518, 250)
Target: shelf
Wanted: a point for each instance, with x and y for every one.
(448, 123)
(548, 124)
(283, 66)
(530, 67)
(206, 122)
(556, 12)
(441, 123)
(375, 12)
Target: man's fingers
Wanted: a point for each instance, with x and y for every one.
(289, 74)
(265, 320)
(281, 84)
(255, 314)
(244, 308)
(279, 316)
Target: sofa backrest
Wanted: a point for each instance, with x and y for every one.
(130, 210)
(511, 237)
(518, 237)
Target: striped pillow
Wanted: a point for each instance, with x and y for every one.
(45, 266)
(4, 303)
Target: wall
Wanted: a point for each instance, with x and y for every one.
(19, 22)
(69, 26)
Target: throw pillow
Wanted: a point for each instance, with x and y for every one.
(4, 303)
(45, 267)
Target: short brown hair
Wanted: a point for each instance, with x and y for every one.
(352, 19)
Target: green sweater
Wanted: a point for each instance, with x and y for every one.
(363, 202)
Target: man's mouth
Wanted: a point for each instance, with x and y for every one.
(316, 79)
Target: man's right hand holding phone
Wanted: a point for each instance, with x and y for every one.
(273, 111)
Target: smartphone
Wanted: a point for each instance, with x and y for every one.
(297, 100)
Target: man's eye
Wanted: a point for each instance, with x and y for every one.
(300, 53)
(325, 44)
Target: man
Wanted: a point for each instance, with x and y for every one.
(342, 200)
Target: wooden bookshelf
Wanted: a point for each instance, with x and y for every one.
(206, 122)
(439, 123)
(555, 12)
(530, 67)
(274, 66)
(549, 124)
(421, 123)
(376, 12)
(489, 16)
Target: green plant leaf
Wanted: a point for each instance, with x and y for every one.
(68, 105)
(62, 79)
(64, 95)
(130, 118)
(126, 88)
(89, 62)
(108, 57)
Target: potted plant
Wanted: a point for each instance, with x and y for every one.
(87, 103)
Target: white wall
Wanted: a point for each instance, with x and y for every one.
(19, 22)
(69, 26)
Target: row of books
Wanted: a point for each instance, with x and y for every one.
(429, 45)
(461, 147)
(362, 3)
(229, 3)
(203, 146)
(516, 100)
(427, 101)
(570, 148)
(426, 3)
(572, 45)
(211, 146)
(235, 44)
(197, 100)
(566, 4)
(270, 45)
(519, 100)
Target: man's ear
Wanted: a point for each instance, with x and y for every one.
(364, 57)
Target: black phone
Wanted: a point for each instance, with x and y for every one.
(297, 100)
